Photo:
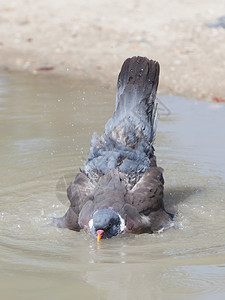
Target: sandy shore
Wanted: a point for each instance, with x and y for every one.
(93, 38)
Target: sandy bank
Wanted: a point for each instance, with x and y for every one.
(92, 39)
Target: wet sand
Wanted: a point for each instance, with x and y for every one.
(92, 39)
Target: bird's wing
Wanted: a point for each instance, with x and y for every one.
(147, 194)
(69, 220)
(79, 193)
(147, 198)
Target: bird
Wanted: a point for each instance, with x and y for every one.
(120, 188)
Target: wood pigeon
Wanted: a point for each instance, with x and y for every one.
(120, 188)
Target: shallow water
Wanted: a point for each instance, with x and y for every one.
(46, 124)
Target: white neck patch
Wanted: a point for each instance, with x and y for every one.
(90, 223)
(122, 223)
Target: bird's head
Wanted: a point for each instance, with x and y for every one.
(106, 223)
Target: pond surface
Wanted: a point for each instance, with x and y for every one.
(46, 124)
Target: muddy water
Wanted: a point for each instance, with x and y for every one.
(46, 125)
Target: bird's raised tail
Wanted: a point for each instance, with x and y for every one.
(129, 134)
(135, 100)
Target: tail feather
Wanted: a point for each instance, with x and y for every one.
(138, 79)
(135, 101)
(129, 135)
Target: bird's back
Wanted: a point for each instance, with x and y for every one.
(127, 142)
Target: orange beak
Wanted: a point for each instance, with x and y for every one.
(100, 233)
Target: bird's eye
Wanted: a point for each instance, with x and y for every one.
(110, 225)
